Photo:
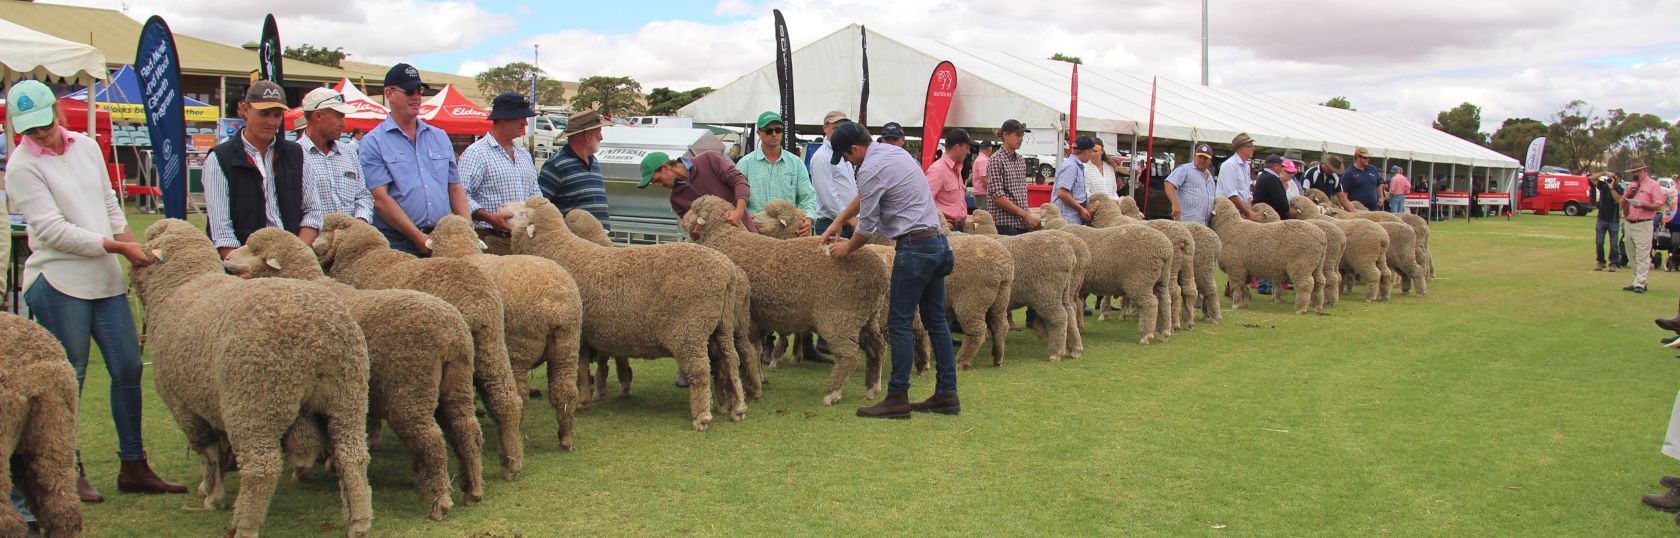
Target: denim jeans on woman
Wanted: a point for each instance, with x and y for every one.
(109, 323)
(918, 280)
(1612, 228)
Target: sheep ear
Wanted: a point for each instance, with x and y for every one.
(273, 263)
(530, 230)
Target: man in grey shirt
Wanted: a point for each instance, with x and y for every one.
(894, 199)
(1190, 187)
(834, 183)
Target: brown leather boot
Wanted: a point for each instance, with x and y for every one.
(1670, 482)
(137, 477)
(1667, 502)
(84, 489)
(944, 404)
(893, 406)
(1670, 324)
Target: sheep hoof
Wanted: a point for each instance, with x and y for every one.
(869, 393)
(738, 415)
(703, 421)
(471, 498)
(831, 398)
(440, 511)
(1145, 340)
(1055, 358)
(961, 367)
(510, 476)
(1102, 317)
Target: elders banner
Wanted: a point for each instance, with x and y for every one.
(784, 72)
(269, 52)
(942, 86)
(159, 67)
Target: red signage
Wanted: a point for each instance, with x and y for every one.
(942, 86)
(1417, 199)
(1452, 198)
(1493, 198)
(1073, 108)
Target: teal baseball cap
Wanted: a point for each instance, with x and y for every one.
(767, 117)
(651, 164)
(30, 104)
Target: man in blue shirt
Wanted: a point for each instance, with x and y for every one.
(1190, 188)
(1361, 182)
(410, 168)
(1071, 191)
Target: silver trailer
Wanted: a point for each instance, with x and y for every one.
(644, 216)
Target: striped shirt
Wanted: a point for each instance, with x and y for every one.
(1006, 177)
(217, 205)
(492, 178)
(785, 179)
(337, 175)
(570, 183)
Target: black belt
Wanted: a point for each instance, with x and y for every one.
(1638, 221)
(504, 234)
(917, 235)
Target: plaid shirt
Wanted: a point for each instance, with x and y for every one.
(571, 183)
(786, 179)
(491, 178)
(337, 175)
(1006, 176)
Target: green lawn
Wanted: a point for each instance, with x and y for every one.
(1527, 395)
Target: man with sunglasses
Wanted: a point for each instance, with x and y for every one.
(776, 173)
(410, 168)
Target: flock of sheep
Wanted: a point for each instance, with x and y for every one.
(304, 359)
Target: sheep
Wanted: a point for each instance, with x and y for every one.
(1335, 242)
(793, 291)
(976, 297)
(583, 224)
(37, 429)
(1206, 265)
(1365, 254)
(1045, 267)
(420, 368)
(674, 313)
(355, 253)
(543, 314)
(237, 361)
(1317, 196)
(781, 220)
(1132, 260)
(1402, 258)
(1421, 227)
(1292, 250)
(1106, 213)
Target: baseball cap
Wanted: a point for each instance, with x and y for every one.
(510, 106)
(768, 117)
(265, 94)
(1204, 150)
(1273, 159)
(31, 104)
(404, 76)
(1084, 143)
(651, 164)
(1394, 169)
(326, 99)
(957, 136)
(892, 130)
(845, 136)
(834, 116)
(1289, 166)
(1013, 126)
(1362, 152)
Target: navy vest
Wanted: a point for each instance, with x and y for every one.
(247, 206)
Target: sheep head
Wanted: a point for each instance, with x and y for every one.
(1317, 196)
(780, 219)
(583, 224)
(980, 223)
(344, 238)
(1129, 207)
(1052, 218)
(1105, 212)
(273, 252)
(1224, 212)
(708, 217)
(454, 237)
(179, 253)
(1265, 213)
(1305, 205)
(541, 225)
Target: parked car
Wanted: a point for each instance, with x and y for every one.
(1558, 192)
(546, 130)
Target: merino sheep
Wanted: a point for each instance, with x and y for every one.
(1402, 258)
(793, 291)
(37, 429)
(420, 367)
(1045, 268)
(1421, 227)
(627, 314)
(238, 361)
(543, 313)
(1291, 250)
(781, 220)
(1335, 242)
(1107, 213)
(355, 253)
(976, 297)
(1365, 254)
(1206, 265)
(583, 224)
(1132, 260)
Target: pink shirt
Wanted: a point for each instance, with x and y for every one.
(945, 180)
(1399, 185)
(43, 151)
(1649, 193)
(981, 161)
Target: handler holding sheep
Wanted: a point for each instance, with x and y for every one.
(894, 200)
(410, 168)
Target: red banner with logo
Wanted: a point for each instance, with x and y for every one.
(1073, 109)
(942, 86)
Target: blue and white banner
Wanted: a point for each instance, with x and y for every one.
(159, 67)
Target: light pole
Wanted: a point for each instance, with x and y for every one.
(1204, 42)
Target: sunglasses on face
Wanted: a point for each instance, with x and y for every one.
(410, 93)
(36, 131)
(773, 131)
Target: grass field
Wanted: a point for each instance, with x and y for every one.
(1526, 395)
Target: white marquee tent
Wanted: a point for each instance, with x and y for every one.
(994, 86)
(28, 54)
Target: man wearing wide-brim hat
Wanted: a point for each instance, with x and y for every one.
(571, 179)
(1641, 202)
(1327, 178)
(496, 171)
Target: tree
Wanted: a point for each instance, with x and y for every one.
(1463, 121)
(665, 102)
(516, 77)
(1631, 136)
(611, 96)
(1515, 134)
(1339, 102)
(1065, 58)
(1571, 134)
(317, 55)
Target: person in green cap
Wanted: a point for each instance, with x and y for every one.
(776, 173)
(689, 178)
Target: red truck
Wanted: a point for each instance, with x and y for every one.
(1557, 192)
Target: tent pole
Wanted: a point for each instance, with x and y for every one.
(1452, 183)
(93, 115)
(1131, 190)
(1432, 208)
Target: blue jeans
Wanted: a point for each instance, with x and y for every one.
(1612, 228)
(918, 280)
(1397, 204)
(818, 226)
(108, 322)
(400, 242)
(17, 501)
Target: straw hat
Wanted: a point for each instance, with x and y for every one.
(1333, 162)
(588, 120)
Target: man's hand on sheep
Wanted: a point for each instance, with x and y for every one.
(1176, 212)
(736, 215)
(805, 228)
(423, 244)
(135, 252)
(498, 221)
(1032, 222)
(1085, 214)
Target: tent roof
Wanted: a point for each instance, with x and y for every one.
(26, 53)
(449, 111)
(995, 86)
(117, 36)
(124, 87)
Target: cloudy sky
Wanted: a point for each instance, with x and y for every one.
(1407, 59)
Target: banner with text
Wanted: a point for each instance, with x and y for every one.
(269, 52)
(784, 71)
(159, 67)
(942, 86)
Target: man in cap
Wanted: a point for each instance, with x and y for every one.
(833, 183)
(495, 171)
(893, 133)
(1362, 183)
(333, 167)
(410, 168)
(255, 180)
(1643, 200)
(708, 172)
(1190, 188)
(1006, 182)
(776, 173)
(982, 160)
(1235, 174)
(1398, 186)
(945, 178)
(1269, 189)
(571, 179)
(894, 201)
(1327, 178)
(1072, 191)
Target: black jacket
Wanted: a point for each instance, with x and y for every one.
(1269, 190)
(247, 205)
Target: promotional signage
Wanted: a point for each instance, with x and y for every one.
(863, 104)
(1417, 200)
(1452, 198)
(1493, 198)
(1073, 108)
(269, 52)
(942, 86)
(1536, 150)
(159, 68)
(784, 70)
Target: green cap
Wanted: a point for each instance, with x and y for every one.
(651, 164)
(31, 104)
(767, 117)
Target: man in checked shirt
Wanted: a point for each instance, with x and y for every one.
(333, 167)
(495, 171)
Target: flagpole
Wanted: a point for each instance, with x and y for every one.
(1149, 158)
